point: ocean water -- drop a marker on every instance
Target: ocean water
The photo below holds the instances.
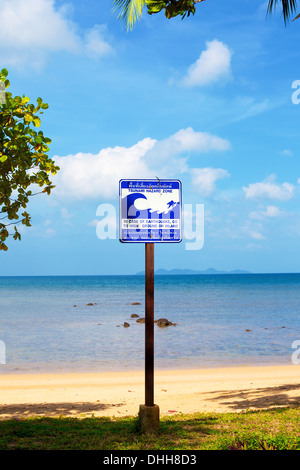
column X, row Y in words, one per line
column 221, row 320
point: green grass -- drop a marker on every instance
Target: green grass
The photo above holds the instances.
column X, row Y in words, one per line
column 277, row 429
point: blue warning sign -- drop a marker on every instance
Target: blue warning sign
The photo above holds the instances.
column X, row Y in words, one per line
column 150, row 211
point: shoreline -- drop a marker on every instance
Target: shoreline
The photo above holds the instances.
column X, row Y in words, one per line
column 139, row 369
column 159, row 365
column 118, row 394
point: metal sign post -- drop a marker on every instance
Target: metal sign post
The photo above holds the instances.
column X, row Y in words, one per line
column 150, row 212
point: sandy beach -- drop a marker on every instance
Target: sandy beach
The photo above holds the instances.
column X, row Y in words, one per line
column 228, row 389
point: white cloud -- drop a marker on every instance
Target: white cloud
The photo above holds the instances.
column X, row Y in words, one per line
column 257, row 236
column 165, row 153
column 95, row 44
column 253, row 230
column 269, row 189
column 31, row 28
column 204, row 179
column 49, row 233
column 249, row 107
column 65, row 214
column 212, row 65
column 86, row 175
column 269, row 212
column 93, row 223
column 253, row 247
column 35, row 22
column 189, row 140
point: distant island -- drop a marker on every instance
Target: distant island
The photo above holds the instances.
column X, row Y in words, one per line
column 191, row 271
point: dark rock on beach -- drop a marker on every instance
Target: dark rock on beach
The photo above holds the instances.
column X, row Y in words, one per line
column 126, row 325
column 135, row 303
column 163, row 322
column 134, row 315
column 141, row 320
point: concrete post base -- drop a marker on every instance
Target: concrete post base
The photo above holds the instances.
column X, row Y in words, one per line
column 149, row 418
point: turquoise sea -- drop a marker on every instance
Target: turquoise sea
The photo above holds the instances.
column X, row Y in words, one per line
column 220, row 320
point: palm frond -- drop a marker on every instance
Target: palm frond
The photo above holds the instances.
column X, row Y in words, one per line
column 130, row 11
column 288, row 7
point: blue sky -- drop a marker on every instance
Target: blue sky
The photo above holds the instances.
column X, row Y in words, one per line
column 207, row 100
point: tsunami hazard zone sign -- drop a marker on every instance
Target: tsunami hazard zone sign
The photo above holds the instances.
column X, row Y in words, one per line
column 150, row 211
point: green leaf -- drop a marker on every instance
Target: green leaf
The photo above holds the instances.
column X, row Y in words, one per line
column 169, row 11
column 25, row 100
column 38, row 139
column 130, row 11
column 288, row 8
column 17, row 235
column 36, row 121
column 155, row 6
column 3, row 74
column 22, row 149
column 20, row 127
column 28, row 118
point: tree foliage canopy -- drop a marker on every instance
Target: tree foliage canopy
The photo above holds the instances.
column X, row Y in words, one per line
column 131, row 11
column 23, row 159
